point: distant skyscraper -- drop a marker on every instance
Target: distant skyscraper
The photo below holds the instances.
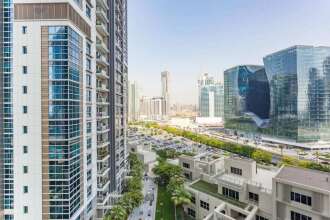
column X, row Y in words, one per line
column 300, row 93
column 165, row 80
column 246, row 97
column 152, row 108
column 210, row 97
column 133, row 101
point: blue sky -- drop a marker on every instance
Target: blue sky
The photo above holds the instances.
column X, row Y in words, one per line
column 190, row 37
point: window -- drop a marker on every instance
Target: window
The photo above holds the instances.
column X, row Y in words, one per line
column 236, row 171
column 89, row 159
column 88, row 80
column 25, row 149
column 88, row 48
column 193, row 200
column 25, row 189
column 89, row 191
column 25, row 169
column 88, row 11
column 25, row 129
column 25, row 209
column 89, row 175
column 24, row 50
column 230, row 193
column 260, row 218
column 89, row 143
column 89, row 127
column 24, row 29
column 186, row 165
column 88, row 64
column 24, row 69
column 191, row 212
column 297, row 197
column 204, row 205
column 253, row 197
column 298, row 216
column 25, row 109
column 24, row 89
column 89, row 111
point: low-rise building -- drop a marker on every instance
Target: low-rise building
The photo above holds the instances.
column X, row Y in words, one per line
column 239, row 188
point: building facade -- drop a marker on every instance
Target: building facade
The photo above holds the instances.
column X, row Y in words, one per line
column 210, row 97
column 63, row 138
column 133, row 101
column 246, row 98
column 229, row 188
column 152, row 108
column 300, row 93
column 165, row 93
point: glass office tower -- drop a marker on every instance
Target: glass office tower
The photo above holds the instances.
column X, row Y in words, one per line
column 246, row 98
column 300, row 93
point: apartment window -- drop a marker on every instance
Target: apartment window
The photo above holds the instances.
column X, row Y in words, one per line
column 193, row 199
column 191, row 212
column 253, row 197
column 89, row 127
column 186, row 165
column 89, row 96
column 25, row 189
column 25, row 209
column 236, row 171
column 25, row 129
column 25, row 169
column 89, row 143
column 298, row 216
column 230, row 193
column 88, row 48
column 89, row 159
column 88, row 80
column 88, row 11
column 260, row 218
column 24, row 69
column 25, row 149
column 24, row 89
column 25, row 109
column 297, row 197
column 89, row 207
column 88, row 64
column 89, row 111
column 89, row 191
column 24, row 29
column 24, row 49
column 204, row 205
column 89, row 175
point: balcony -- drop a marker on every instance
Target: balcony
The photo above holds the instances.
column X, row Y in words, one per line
column 102, row 74
column 103, row 171
column 102, row 184
column 103, row 198
column 102, row 60
column 102, row 101
column 102, row 28
column 101, row 144
column 102, row 154
column 103, row 4
column 101, row 46
column 101, row 14
column 102, row 88
column 101, row 116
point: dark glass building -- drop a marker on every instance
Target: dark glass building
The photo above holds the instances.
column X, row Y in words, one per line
column 246, row 98
column 299, row 80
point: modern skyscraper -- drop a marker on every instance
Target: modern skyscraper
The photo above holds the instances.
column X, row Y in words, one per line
column 165, row 79
column 210, row 101
column 152, row 108
column 63, row 112
column 246, row 97
column 133, row 101
column 300, row 93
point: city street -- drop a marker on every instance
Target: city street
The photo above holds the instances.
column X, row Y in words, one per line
column 147, row 210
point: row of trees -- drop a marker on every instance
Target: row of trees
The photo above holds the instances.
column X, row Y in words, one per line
column 132, row 196
column 170, row 175
column 261, row 156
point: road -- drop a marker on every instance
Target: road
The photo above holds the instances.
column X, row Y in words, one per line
column 146, row 211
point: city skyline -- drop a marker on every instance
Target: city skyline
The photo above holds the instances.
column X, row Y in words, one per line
column 189, row 44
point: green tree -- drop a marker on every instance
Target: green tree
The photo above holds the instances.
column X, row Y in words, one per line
column 180, row 197
column 262, row 156
column 165, row 171
column 117, row 212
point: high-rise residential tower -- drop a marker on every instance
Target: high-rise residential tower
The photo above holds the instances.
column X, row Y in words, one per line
column 62, row 107
column 299, row 79
column 165, row 79
column 133, row 101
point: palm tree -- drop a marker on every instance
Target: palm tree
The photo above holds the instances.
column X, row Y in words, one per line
column 180, row 197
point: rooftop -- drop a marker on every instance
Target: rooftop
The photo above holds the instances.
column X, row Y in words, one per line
column 307, row 177
column 212, row 190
